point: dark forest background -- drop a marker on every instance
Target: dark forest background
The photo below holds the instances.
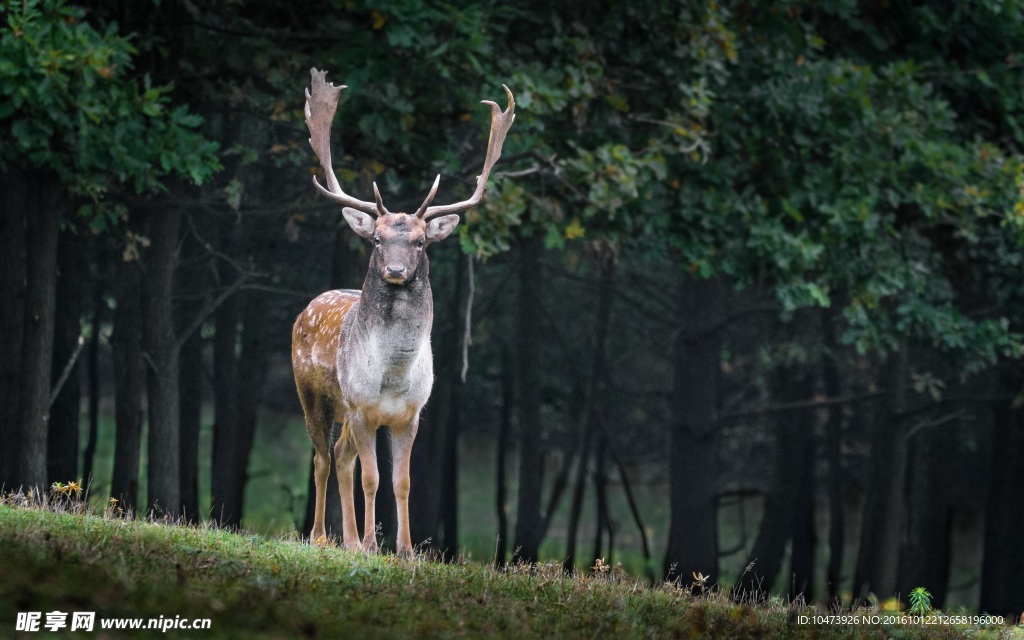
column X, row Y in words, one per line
column 737, row 256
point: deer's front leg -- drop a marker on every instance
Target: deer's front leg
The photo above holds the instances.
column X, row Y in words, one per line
column 401, row 452
column 345, row 462
column 365, row 438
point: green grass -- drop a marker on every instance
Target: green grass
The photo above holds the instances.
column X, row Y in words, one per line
column 275, row 502
column 257, row 587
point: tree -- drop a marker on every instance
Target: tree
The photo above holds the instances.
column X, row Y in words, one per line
column 78, row 127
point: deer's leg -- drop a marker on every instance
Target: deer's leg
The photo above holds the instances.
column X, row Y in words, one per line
column 321, row 471
column 317, row 416
column 345, row 462
column 401, row 452
column 365, row 438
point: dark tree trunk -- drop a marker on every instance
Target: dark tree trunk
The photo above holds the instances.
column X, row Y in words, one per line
column 788, row 511
column 190, row 380
column 42, row 227
column 588, row 421
column 604, row 522
column 449, row 507
column 129, row 375
column 226, row 508
column 62, row 441
column 693, row 452
column 504, row 428
column 164, row 477
column 12, row 316
column 1002, row 590
column 836, row 477
column 884, row 505
column 252, row 372
column 92, row 364
column 528, row 508
column 925, row 554
column 576, row 506
column 801, row 578
column 192, row 288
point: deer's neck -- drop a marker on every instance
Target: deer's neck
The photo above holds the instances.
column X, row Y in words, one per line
column 396, row 319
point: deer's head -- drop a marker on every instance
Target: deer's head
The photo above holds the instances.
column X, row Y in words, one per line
column 399, row 239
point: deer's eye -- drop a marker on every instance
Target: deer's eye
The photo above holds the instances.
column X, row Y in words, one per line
column 376, row 240
column 421, row 243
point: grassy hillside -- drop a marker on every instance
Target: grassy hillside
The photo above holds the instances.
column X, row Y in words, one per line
column 251, row 586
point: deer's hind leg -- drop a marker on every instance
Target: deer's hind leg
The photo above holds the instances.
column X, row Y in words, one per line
column 318, row 412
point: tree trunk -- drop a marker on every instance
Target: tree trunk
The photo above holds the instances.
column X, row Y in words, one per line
column 504, row 428
column 801, row 578
column 589, row 418
column 225, row 500
column 42, row 227
column 1002, row 591
column 836, row 477
column 62, row 440
column 190, row 380
column 788, row 510
column 884, row 506
column 192, row 290
column 164, row 477
column 528, row 508
column 92, row 360
column 604, row 522
column 693, row 452
column 129, row 374
column 925, row 553
column 12, row 316
column 252, row 372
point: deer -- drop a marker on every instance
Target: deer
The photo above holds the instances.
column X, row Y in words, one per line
column 362, row 358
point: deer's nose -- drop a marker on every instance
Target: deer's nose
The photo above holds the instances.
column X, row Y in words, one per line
column 396, row 270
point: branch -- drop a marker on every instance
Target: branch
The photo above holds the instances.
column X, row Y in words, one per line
column 801, row 404
column 210, row 308
column 67, row 372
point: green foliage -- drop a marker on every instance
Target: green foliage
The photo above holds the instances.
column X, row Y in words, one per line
column 920, row 601
column 71, row 105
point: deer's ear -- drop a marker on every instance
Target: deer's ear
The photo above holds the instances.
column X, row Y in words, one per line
column 360, row 222
column 439, row 228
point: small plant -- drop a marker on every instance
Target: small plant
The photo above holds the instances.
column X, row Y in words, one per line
column 920, row 601
column 699, row 583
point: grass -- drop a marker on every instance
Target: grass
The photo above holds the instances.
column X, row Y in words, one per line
column 275, row 502
column 68, row 559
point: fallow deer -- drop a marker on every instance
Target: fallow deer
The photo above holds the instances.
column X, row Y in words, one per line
column 362, row 358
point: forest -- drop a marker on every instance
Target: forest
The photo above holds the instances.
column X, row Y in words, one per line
column 743, row 304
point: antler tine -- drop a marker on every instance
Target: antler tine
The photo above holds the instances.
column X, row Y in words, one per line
column 430, row 197
column 380, row 203
column 321, row 104
column 501, row 121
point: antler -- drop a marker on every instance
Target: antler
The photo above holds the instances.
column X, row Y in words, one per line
column 501, row 121
column 321, row 103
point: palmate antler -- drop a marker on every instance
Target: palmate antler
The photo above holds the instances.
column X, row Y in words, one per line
column 321, row 104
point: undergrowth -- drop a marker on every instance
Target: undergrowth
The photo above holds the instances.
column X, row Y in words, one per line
column 59, row 556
